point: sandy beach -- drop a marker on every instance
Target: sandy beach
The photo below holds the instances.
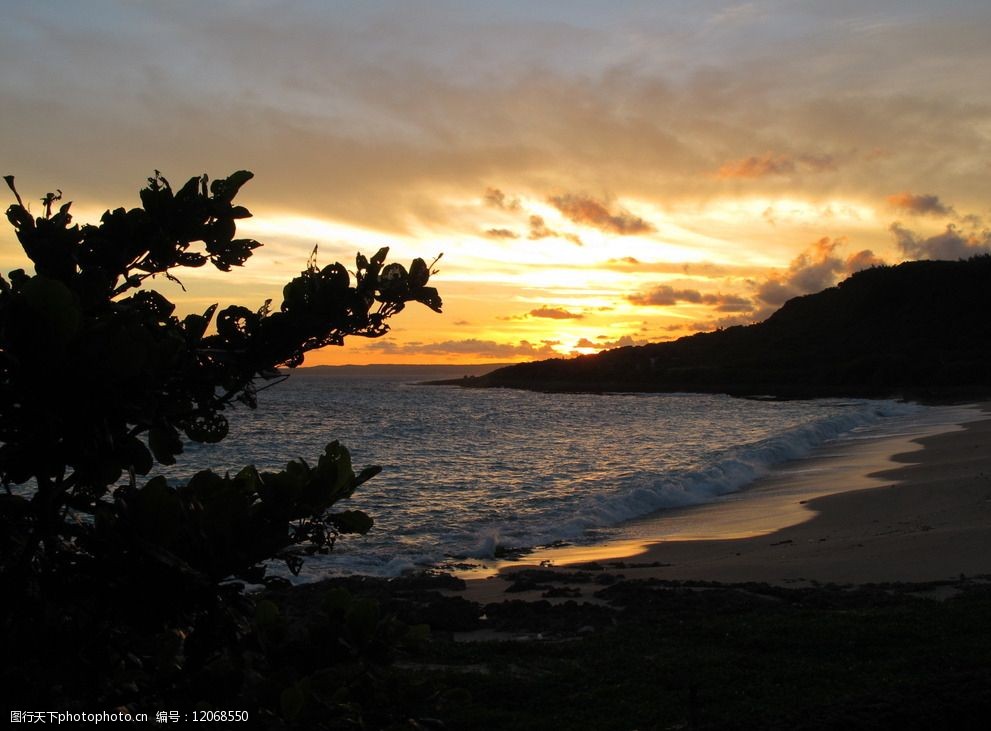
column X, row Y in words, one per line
column 891, row 509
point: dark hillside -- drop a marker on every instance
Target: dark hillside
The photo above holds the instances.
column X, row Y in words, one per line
column 921, row 328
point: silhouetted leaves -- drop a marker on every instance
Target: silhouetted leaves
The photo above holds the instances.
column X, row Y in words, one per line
column 115, row 585
column 101, row 380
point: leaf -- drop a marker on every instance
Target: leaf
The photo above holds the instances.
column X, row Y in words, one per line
column 9, row 180
column 430, row 297
column 194, row 326
column 394, row 283
column 366, row 474
column 53, row 314
column 134, row 454
column 380, row 256
column 352, row 521
column 225, row 190
column 164, row 443
column 419, row 274
column 190, row 189
column 208, row 428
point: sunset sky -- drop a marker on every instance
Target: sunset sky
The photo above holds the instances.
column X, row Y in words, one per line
column 594, row 173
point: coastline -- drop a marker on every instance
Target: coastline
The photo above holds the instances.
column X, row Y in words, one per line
column 895, row 508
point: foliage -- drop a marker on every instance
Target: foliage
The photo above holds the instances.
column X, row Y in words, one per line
column 100, row 380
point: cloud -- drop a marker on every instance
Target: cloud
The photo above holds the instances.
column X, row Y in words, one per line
column 951, row 244
column 862, row 260
column 377, row 115
column 621, row 342
column 501, row 233
column 606, row 343
column 728, row 302
column 721, row 323
column 555, row 313
column 497, row 199
column 590, row 212
column 469, row 347
column 921, row 205
column 665, row 295
column 771, row 164
column 539, row 230
column 689, row 268
column 811, row 271
column 815, row 269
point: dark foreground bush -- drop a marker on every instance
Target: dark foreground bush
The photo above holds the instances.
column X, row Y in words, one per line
column 116, row 583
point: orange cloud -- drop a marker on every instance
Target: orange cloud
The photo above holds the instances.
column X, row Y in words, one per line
column 501, row 233
column 539, row 230
column 497, row 199
column 555, row 313
column 590, row 212
column 924, row 204
column 770, row 164
column 815, row 269
column 757, row 167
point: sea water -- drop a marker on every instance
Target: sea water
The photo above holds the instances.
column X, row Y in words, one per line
column 469, row 473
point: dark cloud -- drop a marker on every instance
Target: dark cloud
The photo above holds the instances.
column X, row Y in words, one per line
column 728, row 302
column 665, row 295
column 497, row 199
column 926, row 204
column 951, row 244
column 555, row 313
column 501, row 233
column 539, row 230
column 590, row 212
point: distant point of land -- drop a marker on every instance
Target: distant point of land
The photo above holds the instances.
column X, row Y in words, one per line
column 918, row 330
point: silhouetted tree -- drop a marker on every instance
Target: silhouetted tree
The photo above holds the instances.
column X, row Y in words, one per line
column 99, row 380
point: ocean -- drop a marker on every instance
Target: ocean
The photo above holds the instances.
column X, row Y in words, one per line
column 470, row 473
